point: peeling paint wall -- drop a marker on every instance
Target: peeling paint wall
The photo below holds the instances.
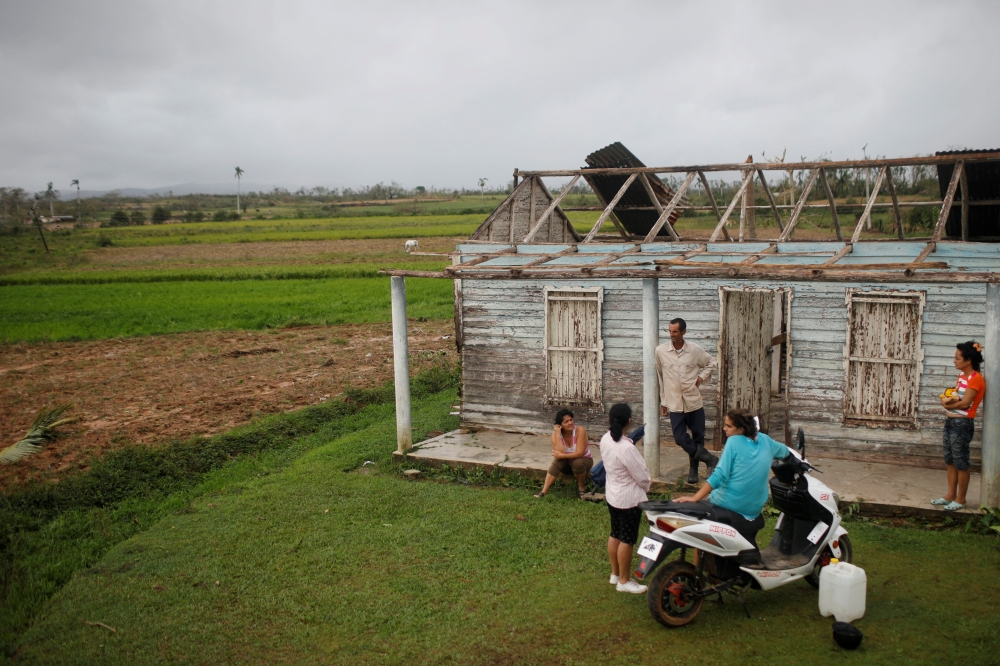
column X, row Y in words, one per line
column 504, row 378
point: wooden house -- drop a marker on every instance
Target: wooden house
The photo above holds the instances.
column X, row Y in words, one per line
column 851, row 339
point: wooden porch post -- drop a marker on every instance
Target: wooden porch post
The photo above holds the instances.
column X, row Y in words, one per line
column 401, row 364
column 650, row 382
column 989, row 488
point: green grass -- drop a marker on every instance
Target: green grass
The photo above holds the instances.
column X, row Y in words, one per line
column 318, row 563
column 50, row 531
column 87, row 311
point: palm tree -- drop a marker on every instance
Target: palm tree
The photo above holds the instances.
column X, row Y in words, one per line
column 76, row 181
column 482, row 188
column 239, row 174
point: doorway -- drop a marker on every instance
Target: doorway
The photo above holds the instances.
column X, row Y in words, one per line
column 753, row 329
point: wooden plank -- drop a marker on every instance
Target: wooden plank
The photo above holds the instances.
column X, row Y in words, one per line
column 756, row 257
column 965, row 206
column 747, row 175
column 607, row 211
column 798, row 206
column 665, row 215
column 949, row 199
column 844, row 251
column 770, row 200
column 833, row 204
column 531, row 204
column 548, row 211
column 895, row 203
column 931, row 160
column 658, row 205
column 865, row 216
column 711, row 199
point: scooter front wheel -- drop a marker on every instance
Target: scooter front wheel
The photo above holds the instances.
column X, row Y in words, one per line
column 671, row 596
column 846, row 555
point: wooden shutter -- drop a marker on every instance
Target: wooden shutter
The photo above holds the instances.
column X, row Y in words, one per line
column 747, row 328
column 574, row 349
column 883, row 358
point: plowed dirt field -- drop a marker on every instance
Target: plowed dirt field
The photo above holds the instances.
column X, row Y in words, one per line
column 157, row 389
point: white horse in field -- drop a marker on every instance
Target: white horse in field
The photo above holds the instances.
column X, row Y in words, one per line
column 411, row 246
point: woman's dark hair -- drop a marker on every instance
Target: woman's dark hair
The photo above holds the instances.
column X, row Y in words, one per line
column 618, row 417
column 971, row 352
column 561, row 414
column 741, row 418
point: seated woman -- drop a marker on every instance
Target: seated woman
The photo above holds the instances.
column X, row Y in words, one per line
column 739, row 482
column 570, row 452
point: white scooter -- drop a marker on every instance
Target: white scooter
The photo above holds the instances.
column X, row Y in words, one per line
column 808, row 533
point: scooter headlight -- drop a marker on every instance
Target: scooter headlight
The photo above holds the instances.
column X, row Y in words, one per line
column 669, row 524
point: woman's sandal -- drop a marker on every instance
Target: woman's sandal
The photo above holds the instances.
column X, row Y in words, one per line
column 940, row 501
column 540, row 495
column 953, row 506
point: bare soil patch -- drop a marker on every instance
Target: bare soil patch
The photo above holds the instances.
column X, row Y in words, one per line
column 165, row 388
column 259, row 253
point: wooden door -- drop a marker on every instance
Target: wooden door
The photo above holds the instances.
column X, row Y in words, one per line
column 745, row 344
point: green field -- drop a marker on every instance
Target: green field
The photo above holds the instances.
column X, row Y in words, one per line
column 83, row 312
column 300, row 558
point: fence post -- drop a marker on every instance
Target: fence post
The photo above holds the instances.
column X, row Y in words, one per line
column 650, row 382
column 989, row 488
column 401, row 365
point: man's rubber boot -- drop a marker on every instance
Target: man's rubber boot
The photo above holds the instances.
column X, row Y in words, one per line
column 693, row 471
column 702, row 455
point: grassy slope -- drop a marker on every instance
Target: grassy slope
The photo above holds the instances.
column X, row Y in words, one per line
column 68, row 312
column 400, row 572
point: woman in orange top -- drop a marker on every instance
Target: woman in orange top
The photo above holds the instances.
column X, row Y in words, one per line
column 959, row 426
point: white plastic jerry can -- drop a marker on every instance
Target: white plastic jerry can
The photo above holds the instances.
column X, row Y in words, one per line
column 842, row 590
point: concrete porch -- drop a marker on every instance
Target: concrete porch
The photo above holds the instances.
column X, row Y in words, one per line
column 882, row 489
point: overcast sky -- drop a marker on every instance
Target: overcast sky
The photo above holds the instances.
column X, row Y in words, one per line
column 143, row 94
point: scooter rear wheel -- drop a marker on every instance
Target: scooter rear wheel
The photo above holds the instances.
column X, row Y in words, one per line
column 846, row 555
column 669, row 595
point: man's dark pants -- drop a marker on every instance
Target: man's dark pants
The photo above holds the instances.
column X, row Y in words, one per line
column 681, row 421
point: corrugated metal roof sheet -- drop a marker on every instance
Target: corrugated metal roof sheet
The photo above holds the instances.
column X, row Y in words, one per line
column 637, row 222
column 984, row 185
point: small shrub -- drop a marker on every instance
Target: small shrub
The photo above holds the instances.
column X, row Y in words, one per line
column 138, row 217
column 104, row 241
column 194, row 216
column 118, row 219
column 160, row 215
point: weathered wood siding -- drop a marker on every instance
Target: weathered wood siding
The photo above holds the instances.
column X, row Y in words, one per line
column 528, row 203
column 504, row 378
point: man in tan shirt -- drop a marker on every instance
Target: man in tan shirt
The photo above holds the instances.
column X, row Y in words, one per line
column 682, row 368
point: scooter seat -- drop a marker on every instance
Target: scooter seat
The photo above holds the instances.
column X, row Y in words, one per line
column 693, row 509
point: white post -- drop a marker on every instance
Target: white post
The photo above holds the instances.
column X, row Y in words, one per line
column 401, row 364
column 989, row 487
column 650, row 382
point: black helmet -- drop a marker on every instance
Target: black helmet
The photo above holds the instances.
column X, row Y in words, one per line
column 847, row 635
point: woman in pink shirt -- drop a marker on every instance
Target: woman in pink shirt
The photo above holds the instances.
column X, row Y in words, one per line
column 626, row 486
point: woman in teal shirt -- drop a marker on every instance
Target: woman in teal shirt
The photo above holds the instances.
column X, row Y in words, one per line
column 739, row 482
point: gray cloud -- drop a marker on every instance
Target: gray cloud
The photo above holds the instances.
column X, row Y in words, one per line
column 123, row 94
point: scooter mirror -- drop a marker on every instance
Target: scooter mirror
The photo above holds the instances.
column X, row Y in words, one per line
column 801, row 442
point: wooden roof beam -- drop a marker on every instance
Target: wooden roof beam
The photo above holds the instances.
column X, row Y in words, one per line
column 747, row 175
column 949, row 199
column 658, row 205
column 833, row 204
column 549, row 210
column 866, row 216
column 895, row 204
column 770, row 200
column 794, row 219
column 773, row 249
column 711, row 200
column 665, row 214
column 611, row 206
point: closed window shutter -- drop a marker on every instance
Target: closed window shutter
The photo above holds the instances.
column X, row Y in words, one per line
column 883, row 357
column 574, row 348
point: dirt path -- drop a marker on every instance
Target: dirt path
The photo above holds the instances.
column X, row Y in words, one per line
column 172, row 387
